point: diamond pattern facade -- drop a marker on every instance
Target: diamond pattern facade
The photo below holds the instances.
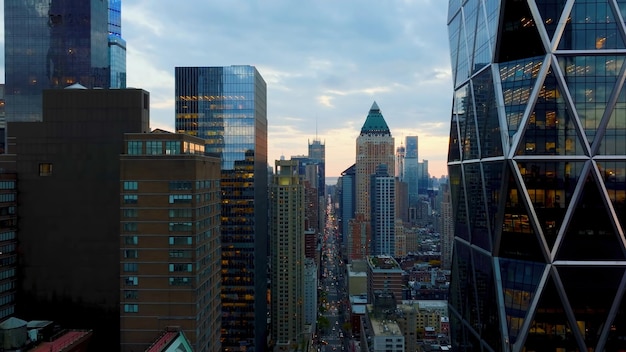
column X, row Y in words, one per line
column 537, row 165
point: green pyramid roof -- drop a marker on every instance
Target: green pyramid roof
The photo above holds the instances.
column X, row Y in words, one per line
column 375, row 122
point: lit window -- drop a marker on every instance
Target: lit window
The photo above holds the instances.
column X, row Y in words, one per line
column 130, row 267
column 172, row 147
column 154, row 147
column 130, row 185
column 131, row 308
column 135, row 147
column 45, row 169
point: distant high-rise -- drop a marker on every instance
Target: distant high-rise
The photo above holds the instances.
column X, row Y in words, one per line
column 537, row 165
column 52, row 44
column 287, row 260
column 383, row 203
column 400, row 154
column 347, row 201
column 227, row 107
column 423, row 179
column 170, row 264
column 374, row 146
column 410, row 168
column 317, row 155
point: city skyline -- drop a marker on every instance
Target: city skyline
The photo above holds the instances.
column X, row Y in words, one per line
column 324, row 66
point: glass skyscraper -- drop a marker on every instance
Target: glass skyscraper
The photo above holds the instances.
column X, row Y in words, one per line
column 537, row 164
column 52, row 44
column 227, row 107
column 117, row 46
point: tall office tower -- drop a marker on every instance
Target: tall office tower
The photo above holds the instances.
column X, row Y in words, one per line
column 69, row 211
column 423, row 179
column 400, row 154
column 347, row 201
column 410, row 168
column 446, row 227
column 383, row 216
column 312, row 167
column 537, row 165
column 374, row 146
column 170, row 247
column 317, row 155
column 287, row 262
column 117, row 46
column 52, row 44
column 226, row 106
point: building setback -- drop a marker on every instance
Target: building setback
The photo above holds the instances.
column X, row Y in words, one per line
column 68, row 187
column 169, row 240
column 537, row 164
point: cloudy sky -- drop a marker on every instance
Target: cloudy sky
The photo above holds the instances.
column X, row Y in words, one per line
column 325, row 62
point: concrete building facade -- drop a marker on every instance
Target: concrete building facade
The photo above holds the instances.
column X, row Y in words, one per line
column 287, row 260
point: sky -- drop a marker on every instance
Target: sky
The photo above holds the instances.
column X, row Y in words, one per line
column 325, row 62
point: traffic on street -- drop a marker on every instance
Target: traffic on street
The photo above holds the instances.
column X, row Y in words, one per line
column 333, row 329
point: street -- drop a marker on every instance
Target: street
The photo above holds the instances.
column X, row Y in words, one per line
column 333, row 330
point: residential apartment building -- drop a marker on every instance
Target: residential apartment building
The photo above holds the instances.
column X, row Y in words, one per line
column 287, row 259
column 170, row 263
column 383, row 208
column 384, row 274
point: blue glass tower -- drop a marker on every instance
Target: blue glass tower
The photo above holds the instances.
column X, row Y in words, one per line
column 537, row 165
column 52, row 44
column 226, row 106
column 117, row 46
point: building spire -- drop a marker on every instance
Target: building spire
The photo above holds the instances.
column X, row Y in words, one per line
column 375, row 122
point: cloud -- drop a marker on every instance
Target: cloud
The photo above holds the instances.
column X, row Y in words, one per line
column 324, row 63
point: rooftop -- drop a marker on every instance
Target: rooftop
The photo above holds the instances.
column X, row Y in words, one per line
column 63, row 341
column 171, row 336
column 375, row 122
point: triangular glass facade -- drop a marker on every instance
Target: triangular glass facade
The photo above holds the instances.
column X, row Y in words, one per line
column 537, row 164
